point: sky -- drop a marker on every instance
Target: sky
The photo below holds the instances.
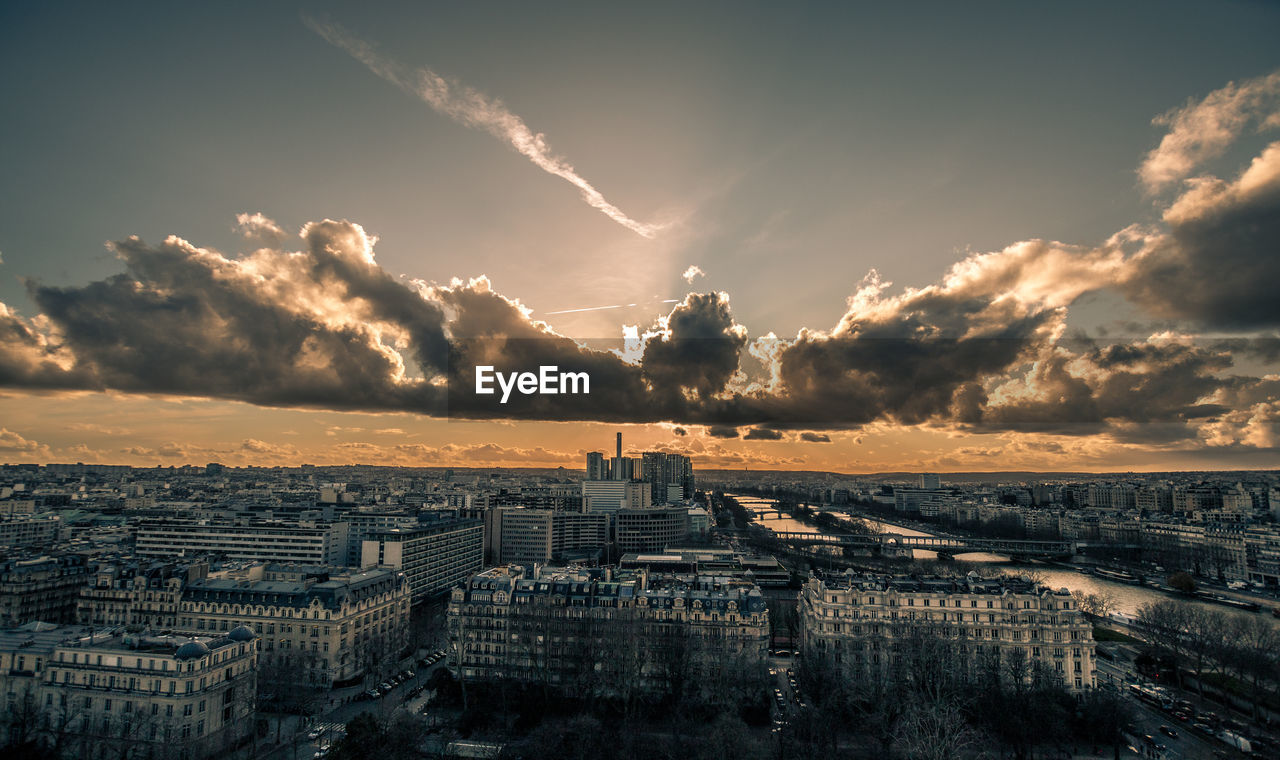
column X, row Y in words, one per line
column 905, row 237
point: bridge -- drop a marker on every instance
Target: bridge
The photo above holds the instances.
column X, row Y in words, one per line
column 943, row 545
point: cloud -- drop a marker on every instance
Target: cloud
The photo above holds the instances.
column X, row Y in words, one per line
column 1217, row 264
column 696, row 348
column 326, row 327
column 14, row 444
column 260, row 228
column 694, row 271
column 1201, row 131
column 984, row 349
column 476, row 110
column 306, row 328
column 905, row 357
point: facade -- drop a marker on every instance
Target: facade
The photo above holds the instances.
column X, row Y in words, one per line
column 328, row 628
column 597, row 468
column 525, row 536
column 361, row 525
column 44, row 589
column 138, row 595
column 914, row 499
column 577, row 629
column 859, row 625
column 669, row 475
column 433, row 557
column 107, row 693
column 650, row 530
column 613, row 495
column 304, row 542
column 30, row 531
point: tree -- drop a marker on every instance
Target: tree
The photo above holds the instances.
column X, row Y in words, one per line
column 1097, row 606
column 934, row 731
column 1183, row 582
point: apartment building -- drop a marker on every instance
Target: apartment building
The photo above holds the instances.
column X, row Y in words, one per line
column 334, row 626
column 305, row 541
column 138, row 594
column 526, row 536
column 41, row 588
column 434, row 557
column 650, row 530
column 106, row 693
column 30, row 531
column 566, row 627
column 858, row 624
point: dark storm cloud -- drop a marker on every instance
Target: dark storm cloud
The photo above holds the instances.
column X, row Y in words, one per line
column 1219, row 263
column 342, row 254
column 698, row 351
column 722, row 431
column 183, row 321
column 1113, row 388
column 28, row 359
column 327, row 327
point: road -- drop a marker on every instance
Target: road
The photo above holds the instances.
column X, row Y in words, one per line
column 1190, row 744
column 332, row 724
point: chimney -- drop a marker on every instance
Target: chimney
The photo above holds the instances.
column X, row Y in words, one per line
column 619, row 445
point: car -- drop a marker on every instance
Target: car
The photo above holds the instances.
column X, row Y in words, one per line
column 1169, row 732
column 385, row 686
column 409, row 674
column 315, row 733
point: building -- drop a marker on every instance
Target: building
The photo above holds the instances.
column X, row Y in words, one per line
column 912, row 499
column 328, row 626
column 40, row 532
column 139, row 594
column 361, row 525
column 859, row 625
column 310, row 542
column 930, row 481
column 614, row 495
column 434, row 557
column 526, row 536
column 99, row 694
column 650, row 530
column 595, row 633
column 597, row 468
column 670, row 476
column 764, row 571
column 43, row 588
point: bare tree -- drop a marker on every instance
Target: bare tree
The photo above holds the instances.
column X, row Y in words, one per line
column 934, row 731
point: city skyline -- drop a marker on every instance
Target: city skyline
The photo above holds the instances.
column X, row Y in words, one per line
column 887, row 245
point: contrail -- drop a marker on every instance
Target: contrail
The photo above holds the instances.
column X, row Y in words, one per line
column 475, row 109
column 602, row 308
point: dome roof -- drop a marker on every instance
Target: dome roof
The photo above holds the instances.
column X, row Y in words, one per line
column 191, row 650
column 242, row 633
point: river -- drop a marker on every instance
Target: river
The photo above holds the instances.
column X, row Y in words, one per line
column 1127, row 599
